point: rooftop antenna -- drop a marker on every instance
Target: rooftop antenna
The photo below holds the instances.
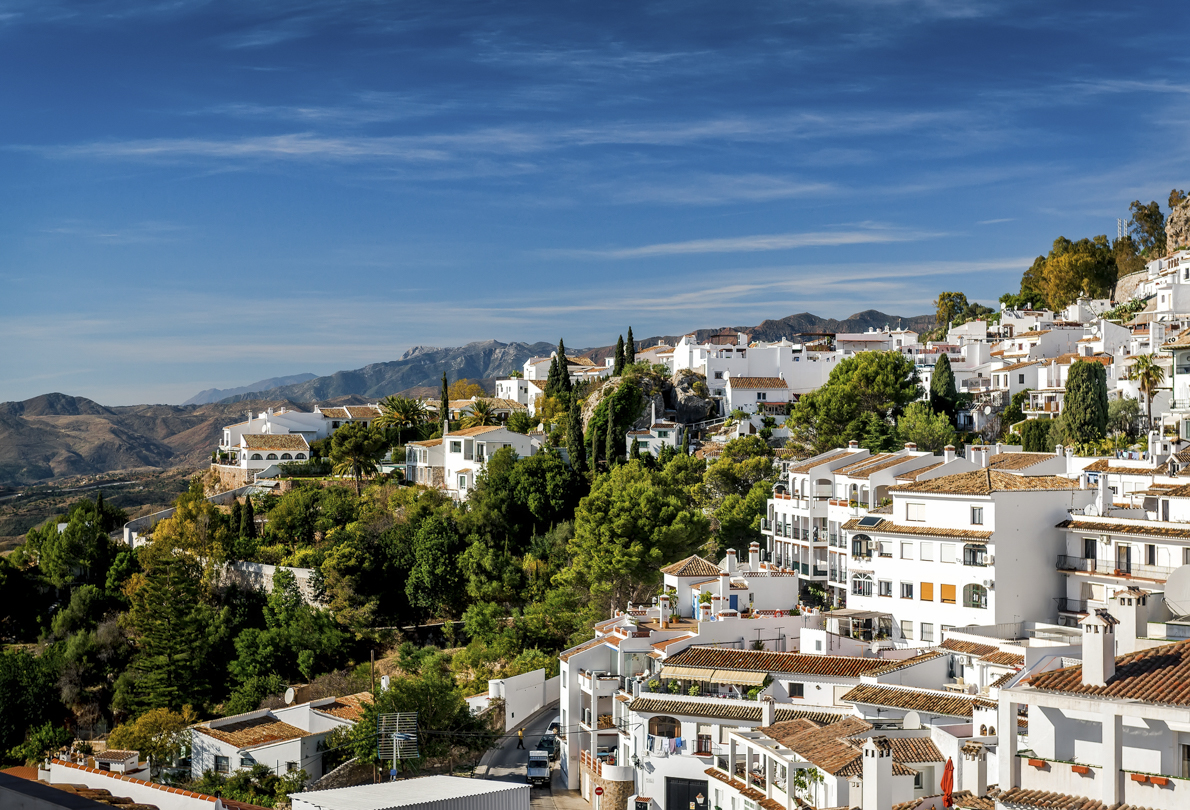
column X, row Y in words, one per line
column 1119, row 227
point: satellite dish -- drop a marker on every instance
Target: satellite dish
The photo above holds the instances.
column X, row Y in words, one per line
column 289, row 695
column 987, row 410
column 1177, row 591
column 1091, row 510
column 911, row 720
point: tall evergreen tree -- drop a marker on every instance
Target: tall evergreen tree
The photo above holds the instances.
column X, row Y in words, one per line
column 563, row 368
column 1084, row 410
column 630, row 349
column 635, row 451
column 169, row 624
column 611, row 451
column 574, row 438
column 686, row 442
column 100, row 518
column 248, row 519
column 943, row 394
column 444, row 406
column 618, row 368
column 236, row 517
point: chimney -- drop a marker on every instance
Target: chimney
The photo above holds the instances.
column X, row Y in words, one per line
column 653, row 412
column 754, row 556
column 1103, row 500
column 704, row 611
column 717, row 603
column 948, row 453
column 1099, row 648
column 663, row 604
column 911, row 447
column 725, row 587
column 853, row 445
column 975, row 768
column 1058, row 449
column 768, row 710
column 877, row 786
column 1132, row 609
column 731, row 561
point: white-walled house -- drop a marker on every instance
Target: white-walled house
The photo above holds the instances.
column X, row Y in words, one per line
column 284, row 740
column 931, row 562
column 756, row 395
column 259, row 451
column 658, row 434
column 455, row 461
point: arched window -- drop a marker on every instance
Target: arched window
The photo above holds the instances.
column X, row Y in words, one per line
column 271, row 457
column 664, row 727
column 983, row 729
column 992, row 731
column 862, row 546
column 286, row 457
column 256, row 457
column 975, row 596
column 300, row 456
column 861, row 585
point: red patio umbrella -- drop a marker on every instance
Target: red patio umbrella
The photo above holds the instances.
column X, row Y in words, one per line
column 948, row 783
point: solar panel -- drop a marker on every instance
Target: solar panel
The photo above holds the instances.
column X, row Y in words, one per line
column 870, row 521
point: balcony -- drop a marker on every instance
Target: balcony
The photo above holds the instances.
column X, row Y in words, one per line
column 766, row 525
column 1066, row 605
column 1124, row 569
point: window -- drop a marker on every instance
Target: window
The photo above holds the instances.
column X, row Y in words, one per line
column 222, row 764
column 947, row 594
column 976, row 515
column 286, row 456
column 718, row 375
column 927, row 632
column 885, row 548
column 915, row 511
column 907, row 629
column 906, row 551
column 1090, row 548
column 1150, row 554
column 1020, row 378
column 926, row 551
column 663, row 434
column 797, row 690
column 861, row 585
column 664, row 727
column 456, row 447
column 946, row 555
column 761, row 396
column 918, row 781
column 290, row 767
column 818, row 645
column 927, row 591
column 300, row 456
column 246, row 761
column 974, row 596
column 1185, row 761
column 271, row 457
column 704, row 738
column 861, row 546
column 885, row 587
column 1186, row 556
column 975, row 554
column 906, row 590
column 257, row 457
column 462, row 482
column 563, row 679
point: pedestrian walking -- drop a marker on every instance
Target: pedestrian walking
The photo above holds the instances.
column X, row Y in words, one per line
column 520, row 738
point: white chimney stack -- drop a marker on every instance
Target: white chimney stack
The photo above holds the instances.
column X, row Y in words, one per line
column 724, row 586
column 754, row 556
column 948, row 453
column 768, row 711
column 911, row 447
column 975, row 768
column 1132, row 610
column 853, row 445
column 1104, row 501
column 704, row 611
column 1099, row 648
column 877, row 786
column 731, row 561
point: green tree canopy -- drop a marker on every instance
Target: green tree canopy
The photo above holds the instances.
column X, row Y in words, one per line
column 1084, row 409
column 929, row 430
column 944, row 396
column 355, row 449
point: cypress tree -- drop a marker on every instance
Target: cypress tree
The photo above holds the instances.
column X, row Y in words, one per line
column 635, row 451
column 611, row 451
column 551, row 380
column 248, row 519
column 574, row 439
column 630, row 349
column 236, row 518
column 618, row 368
column 444, row 412
column 1084, row 410
column 943, row 394
column 686, row 442
column 563, row 368
column 594, row 448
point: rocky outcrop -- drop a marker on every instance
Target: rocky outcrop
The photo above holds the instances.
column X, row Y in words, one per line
column 682, row 398
column 1177, row 228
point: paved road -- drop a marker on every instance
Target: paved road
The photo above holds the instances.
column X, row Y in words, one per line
column 505, row 761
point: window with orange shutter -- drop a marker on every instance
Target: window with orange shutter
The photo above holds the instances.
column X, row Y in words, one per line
column 948, row 594
column 927, row 591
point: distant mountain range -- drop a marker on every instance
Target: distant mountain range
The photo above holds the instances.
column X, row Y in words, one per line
column 215, row 394
column 56, row 435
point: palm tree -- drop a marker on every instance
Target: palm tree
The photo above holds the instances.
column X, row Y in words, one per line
column 401, row 413
column 483, row 413
column 1148, row 376
column 354, row 450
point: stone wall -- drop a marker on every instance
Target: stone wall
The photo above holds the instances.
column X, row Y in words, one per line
column 223, row 477
column 615, row 793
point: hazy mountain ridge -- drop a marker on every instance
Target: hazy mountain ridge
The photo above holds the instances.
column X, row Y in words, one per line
column 215, row 394
column 56, row 435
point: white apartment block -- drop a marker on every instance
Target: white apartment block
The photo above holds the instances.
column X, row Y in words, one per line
column 454, row 462
column 659, row 433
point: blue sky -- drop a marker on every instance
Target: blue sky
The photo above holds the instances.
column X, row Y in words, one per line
column 200, row 194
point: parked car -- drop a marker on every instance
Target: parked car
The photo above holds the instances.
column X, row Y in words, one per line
column 537, row 771
column 555, row 725
column 549, row 744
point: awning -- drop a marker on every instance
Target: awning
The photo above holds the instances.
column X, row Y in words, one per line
column 737, row 677
column 687, row 673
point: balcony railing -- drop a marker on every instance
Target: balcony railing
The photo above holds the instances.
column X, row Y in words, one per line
column 818, row 572
column 766, row 525
column 1066, row 605
column 1114, row 568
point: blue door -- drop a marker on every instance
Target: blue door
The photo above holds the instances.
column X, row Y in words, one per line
column 734, row 602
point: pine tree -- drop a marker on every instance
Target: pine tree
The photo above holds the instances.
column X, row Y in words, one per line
column 630, row 349
column 236, row 518
column 444, row 407
column 169, row 625
column 248, row 519
column 618, row 368
column 574, row 439
column 1084, row 410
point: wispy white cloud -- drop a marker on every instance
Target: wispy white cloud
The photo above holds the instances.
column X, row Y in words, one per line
column 752, row 244
column 995, row 221
column 704, row 189
column 134, row 234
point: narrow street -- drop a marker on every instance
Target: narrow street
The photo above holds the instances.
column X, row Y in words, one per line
column 507, row 763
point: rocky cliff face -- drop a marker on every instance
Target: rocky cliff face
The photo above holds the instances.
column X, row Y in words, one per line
column 675, row 397
column 1177, row 228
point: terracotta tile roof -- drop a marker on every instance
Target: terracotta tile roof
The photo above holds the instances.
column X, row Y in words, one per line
column 114, row 755
column 661, row 645
column 1032, row 333
column 334, row 413
column 1002, row 680
column 473, row 431
column 1046, row 800
column 913, row 475
column 269, row 441
column 1104, row 465
column 1018, row 461
column 1005, row 659
column 915, row 749
column 1156, row 675
column 1016, row 366
column 692, row 566
column 747, row 383
column 839, row 666
column 888, row 527
column 348, row 707
column 963, row 799
column 22, row 772
column 867, row 461
column 1179, row 341
column 987, row 481
column 363, row 411
column 745, row 711
column 809, row 464
column 918, row 700
column 1123, row 528
column 427, row 443
column 893, row 666
column 868, row 472
column 744, row 790
column 968, row 647
column 252, row 733
column 165, row 789
column 830, row 748
column 586, row 645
